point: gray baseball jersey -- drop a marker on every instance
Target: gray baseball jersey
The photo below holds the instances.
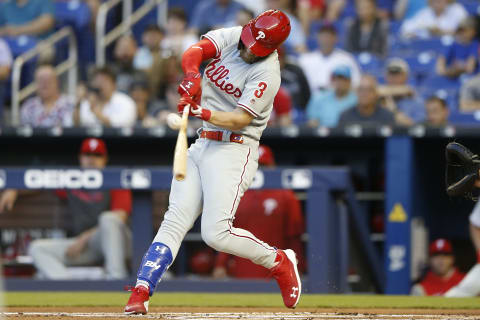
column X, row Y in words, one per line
column 228, row 82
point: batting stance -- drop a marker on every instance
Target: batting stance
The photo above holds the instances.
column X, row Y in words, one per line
column 239, row 85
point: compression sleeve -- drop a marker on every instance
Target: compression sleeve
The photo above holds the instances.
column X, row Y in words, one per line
column 194, row 56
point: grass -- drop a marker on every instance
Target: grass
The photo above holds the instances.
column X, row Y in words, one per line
column 55, row 299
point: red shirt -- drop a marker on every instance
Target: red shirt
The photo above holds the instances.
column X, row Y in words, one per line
column 434, row 285
column 273, row 216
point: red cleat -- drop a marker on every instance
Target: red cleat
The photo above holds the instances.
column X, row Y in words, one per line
column 286, row 274
column 138, row 302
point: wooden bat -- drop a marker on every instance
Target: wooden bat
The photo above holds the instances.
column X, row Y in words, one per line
column 180, row 157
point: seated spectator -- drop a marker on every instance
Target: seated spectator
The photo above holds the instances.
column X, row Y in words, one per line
column 6, row 61
column 310, row 10
column 470, row 95
column 367, row 33
column 296, row 41
column 442, row 274
column 152, row 37
column 294, row 81
column 437, row 112
column 406, row 9
column 124, row 53
column 177, row 39
column 461, row 56
column 282, row 110
column 325, row 108
column 104, row 105
column 398, row 96
column 147, row 106
column 26, row 17
column 213, row 14
column 319, row 64
column 440, row 18
column 335, row 9
column 49, row 108
column 368, row 110
column 279, row 210
column 99, row 221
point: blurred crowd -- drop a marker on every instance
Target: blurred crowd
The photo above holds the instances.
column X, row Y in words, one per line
column 394, row 62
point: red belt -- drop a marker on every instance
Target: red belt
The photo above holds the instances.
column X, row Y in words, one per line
column 218, row 136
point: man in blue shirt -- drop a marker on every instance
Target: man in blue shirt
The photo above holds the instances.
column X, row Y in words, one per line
column 324, row 108
column 26, row 17
column 213, row 14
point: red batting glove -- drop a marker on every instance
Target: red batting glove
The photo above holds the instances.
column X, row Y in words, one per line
column 191, row 85
column 196, row 110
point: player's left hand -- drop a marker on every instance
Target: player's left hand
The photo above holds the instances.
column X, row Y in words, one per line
column 191, row 85
column 196, row 110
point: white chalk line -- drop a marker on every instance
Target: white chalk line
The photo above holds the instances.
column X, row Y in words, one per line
column 242, row 315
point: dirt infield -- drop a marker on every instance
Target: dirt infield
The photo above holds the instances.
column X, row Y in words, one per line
column 210, row 313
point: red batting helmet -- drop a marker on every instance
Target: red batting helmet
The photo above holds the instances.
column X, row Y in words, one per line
column 266, row 32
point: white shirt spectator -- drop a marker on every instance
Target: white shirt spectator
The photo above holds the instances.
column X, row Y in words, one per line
column 5, row 54
column 318, row 67
column 120, row 110
column 178, row 45
column 448, row 21
column 33, row 113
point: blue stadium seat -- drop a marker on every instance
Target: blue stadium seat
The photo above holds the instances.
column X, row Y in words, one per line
column 457, row 117
column 473, row 7
column 421, row 64
column 370, row 63
column 72, row 13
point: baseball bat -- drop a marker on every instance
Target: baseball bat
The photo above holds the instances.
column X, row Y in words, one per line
column 180, row 157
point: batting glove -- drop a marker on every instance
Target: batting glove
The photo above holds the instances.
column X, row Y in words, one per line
column 191, row 85
column 196, row 110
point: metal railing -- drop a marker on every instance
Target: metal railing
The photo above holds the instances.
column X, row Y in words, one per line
column 103, row 39
column 69, row 65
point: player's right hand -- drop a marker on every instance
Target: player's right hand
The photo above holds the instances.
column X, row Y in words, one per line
column 7, row 200
column 191, row 85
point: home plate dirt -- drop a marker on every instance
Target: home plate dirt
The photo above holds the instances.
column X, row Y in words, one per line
column 370, row 314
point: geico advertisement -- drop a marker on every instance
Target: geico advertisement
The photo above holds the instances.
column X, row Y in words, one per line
column 68, row 179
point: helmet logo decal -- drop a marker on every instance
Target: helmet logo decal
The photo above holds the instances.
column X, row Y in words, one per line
column 261, row 35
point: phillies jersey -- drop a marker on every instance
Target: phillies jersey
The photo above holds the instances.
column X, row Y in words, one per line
column 434, row 285
column 275, row 217
column 229, row 82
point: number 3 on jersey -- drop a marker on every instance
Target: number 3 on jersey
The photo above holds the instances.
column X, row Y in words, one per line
column 262, row 86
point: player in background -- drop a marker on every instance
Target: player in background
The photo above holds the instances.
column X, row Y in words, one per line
column 236, row 94
column 470, row 285
column 273, row 215
column 442, row 274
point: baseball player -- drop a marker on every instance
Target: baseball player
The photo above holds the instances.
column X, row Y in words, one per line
column 239, row 85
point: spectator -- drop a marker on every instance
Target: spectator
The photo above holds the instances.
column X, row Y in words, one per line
column 49, row 108
column 99, row 221
column 324, row 108
column 213, row 14
column 310, row 10
column 367, row 33
column 470, row 95
column 398, row 96
column 104, row 105
column 442, row 274
column 26, row 17
column 124, row 53
column 440, row 18
column 280, row 210
column 294, row 81
column 406, row 9
column 318, row 65
column 147, row 106
column 296, row 42
column 367, row 111
column 282, row 110
column 461, row 56
column 152, row 37
column 177, row 39
column 335, row 9
column 437, row 112
column 5, row 67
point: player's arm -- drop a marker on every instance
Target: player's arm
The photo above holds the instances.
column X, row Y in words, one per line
column 9, row 197
column 233, row 121
column 191, row 60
